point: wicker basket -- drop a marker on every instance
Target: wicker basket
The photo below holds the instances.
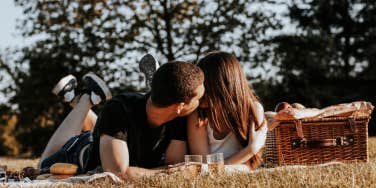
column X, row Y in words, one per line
column 315, row 141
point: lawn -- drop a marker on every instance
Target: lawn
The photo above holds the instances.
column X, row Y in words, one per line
column 337, row 175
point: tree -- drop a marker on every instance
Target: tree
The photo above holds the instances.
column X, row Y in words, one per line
column 331, row 57
column 108, row 37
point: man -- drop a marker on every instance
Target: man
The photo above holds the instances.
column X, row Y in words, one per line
column 148, row 131
column 133, row 130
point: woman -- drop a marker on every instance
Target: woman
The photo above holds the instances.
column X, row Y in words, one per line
column 229, row 114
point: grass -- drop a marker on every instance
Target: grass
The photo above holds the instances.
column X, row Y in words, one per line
column 336, row 175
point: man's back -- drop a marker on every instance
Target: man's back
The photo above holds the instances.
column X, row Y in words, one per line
column 124, row 117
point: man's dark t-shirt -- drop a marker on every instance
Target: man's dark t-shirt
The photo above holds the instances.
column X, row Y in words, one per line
column 124, row 117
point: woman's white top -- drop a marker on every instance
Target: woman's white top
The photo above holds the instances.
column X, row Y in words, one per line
column 228, row 145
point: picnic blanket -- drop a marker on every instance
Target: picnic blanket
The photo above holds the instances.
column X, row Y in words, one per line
column 89, row 178
column 63, row 182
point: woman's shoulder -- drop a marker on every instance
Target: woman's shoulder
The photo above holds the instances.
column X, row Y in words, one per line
column 259, row 110
column 258, row 105
column 195, row 119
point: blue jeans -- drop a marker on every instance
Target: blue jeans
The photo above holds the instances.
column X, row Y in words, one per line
column 75, row 151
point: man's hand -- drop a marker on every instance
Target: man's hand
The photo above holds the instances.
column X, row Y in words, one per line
column 175, row 168
column 188, row 170
column 257, row 138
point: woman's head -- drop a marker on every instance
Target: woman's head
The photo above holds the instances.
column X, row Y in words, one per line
column 228, row 96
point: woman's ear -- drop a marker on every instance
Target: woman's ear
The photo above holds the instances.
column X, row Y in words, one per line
column 204, row 104
column 180, row 107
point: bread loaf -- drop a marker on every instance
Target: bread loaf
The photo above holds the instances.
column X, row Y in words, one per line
column 63, row 169
column 298, row 106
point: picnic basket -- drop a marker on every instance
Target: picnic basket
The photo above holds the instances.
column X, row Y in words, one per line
column 317, row 140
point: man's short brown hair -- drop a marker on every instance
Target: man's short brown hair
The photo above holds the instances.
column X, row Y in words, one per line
column 175, row 82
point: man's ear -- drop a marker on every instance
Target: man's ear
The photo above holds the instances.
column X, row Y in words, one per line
column 180, row 107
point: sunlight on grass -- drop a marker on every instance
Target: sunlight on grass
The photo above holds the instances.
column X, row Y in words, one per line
column 336, row 175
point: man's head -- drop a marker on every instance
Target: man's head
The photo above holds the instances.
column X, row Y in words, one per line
column 178, row 83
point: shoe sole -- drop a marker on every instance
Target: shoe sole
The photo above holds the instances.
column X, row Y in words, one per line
column 61, row 84
column 101, row 84
column 148, row 61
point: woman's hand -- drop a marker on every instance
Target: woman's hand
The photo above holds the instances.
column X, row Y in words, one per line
column 257, row 138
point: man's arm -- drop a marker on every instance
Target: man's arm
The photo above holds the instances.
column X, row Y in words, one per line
column 175, row 152
column 114, row 156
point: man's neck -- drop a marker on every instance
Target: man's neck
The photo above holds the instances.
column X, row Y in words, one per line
column 157, row 116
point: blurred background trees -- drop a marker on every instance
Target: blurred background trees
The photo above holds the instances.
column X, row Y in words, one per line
column 327, row 58
column 331, row 57
column 108, row 38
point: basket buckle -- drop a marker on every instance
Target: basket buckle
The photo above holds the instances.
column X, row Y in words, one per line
column 352, row 124
column 299, row 128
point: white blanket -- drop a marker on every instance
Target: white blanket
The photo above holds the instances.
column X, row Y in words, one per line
column 87, row 179
column 64, row 182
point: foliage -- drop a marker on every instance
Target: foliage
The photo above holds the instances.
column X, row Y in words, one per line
column 108, row 37
column 330, row 58
column 8, row 143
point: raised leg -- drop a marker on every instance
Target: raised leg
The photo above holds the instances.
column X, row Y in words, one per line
column 93, row 91
column 71, row 126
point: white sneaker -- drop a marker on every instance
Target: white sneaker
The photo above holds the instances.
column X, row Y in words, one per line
column 148, row 65
column 66, row 88
column 96, row 88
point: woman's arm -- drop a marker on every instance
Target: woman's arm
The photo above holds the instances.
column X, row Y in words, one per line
column 256, row 140
column 197, row 135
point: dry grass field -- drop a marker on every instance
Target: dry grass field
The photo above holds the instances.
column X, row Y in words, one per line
column 337, row 175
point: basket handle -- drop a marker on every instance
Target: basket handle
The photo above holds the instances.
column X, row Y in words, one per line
column 339, row 141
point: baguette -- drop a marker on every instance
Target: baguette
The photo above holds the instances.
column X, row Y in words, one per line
column 293, row 113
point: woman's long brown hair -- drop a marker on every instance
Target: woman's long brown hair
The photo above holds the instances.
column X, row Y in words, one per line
column 230, row 98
